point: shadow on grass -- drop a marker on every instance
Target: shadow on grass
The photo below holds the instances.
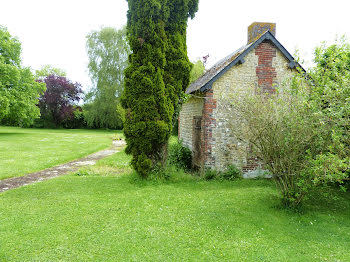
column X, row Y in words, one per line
column 333, row 200
column 12, row 134
column 180, row 178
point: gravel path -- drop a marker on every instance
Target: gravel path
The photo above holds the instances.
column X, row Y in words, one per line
column 59, row 170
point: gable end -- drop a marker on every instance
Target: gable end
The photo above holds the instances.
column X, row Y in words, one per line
column 240, row 59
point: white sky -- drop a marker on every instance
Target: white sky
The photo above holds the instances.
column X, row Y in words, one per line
column 53, row 31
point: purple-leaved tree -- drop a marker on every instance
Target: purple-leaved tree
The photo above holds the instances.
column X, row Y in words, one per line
column 58, row 103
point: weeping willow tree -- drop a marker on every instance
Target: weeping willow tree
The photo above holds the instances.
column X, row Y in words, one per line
column 108, row 52
column 158, row 73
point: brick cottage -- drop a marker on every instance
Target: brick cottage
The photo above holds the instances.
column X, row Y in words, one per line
column 262, row 63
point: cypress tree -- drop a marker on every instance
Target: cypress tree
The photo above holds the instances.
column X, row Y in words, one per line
column 158, row 71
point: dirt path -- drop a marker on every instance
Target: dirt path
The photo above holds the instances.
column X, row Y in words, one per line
column 59, row 170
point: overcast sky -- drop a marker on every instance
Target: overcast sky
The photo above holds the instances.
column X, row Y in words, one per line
column 53, row 31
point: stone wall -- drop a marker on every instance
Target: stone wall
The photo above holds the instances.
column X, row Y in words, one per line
column 192, row 107
column 284, row 73
column 240, row 78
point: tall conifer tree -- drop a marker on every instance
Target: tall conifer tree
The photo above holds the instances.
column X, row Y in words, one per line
column 157, row 74
column 178, row 67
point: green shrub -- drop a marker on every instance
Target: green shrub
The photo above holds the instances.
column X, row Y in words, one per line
column 347, row 181
column 180, row 156
column 83, row 172
column 210, row 174
column 231, row 173
column 159, row 174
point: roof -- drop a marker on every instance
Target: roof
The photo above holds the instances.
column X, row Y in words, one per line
column 206, row 81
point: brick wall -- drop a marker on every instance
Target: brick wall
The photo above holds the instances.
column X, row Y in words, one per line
column 265, row 71
column 208, row 125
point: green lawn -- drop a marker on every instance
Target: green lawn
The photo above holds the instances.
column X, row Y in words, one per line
column 104, row 213
column 24, row 151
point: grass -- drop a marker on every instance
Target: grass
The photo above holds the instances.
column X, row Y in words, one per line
column 105, row 213
column 28, row 150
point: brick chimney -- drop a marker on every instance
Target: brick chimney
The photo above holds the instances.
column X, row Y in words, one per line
column 256, row 29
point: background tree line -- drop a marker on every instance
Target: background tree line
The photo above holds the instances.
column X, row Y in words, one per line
column 47, row 98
